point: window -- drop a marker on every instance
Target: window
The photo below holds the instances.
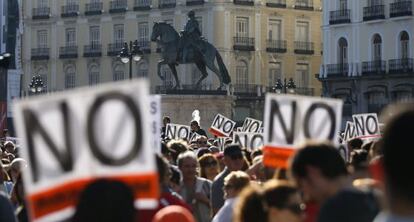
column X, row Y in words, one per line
column 70, row 37
column 377, row 48
column 70, row 77
column 143, row 31
column 42, row 39
column 376, row 101
column 43, row 3
column 374, row 2
column 343, row 4
column 302, row 31
column 242, row 27
column 71, row 2
column 118, row 73
column 241, row 73
column 275, row 27
column 94, row 35
column 403, row 96
column 404, row 45
column 143, row 69
column 119, row 34
column 343, row 51
column 275, row 73
column 93, row 75
column 95, row 1
column 302, row 75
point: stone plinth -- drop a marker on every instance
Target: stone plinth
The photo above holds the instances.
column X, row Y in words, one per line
column 180, row 108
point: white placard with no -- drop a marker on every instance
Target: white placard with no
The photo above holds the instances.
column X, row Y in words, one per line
column 222, row 125
column 177, row 131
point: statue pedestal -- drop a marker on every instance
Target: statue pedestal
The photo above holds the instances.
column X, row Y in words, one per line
column 180, row 107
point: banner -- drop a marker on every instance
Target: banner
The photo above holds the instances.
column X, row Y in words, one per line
column 251, row 125
column 222, row 126
column 177, row 131
column 366, row 125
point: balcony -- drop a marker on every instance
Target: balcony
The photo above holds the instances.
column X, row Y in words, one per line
column 305, row 48
column 93, row 8
column 401, row 66
column 115, row 48
column 93, row 50
column 243, row 43
column 276, row 46
column 248, row 90
column 304, row 5
column 244, row 2
column 41, row 13
column 40, row 53
column 142, row 5
column 194, row 2
column 305, row 91
column 276, row 3
column 340, row 17
column 337, row 70
column 374, row 68
column 167, row 4
column 71, row 10
column 118, row 6
column 144, row 46
column 68, row 52
column 374, row 12
column 401, row 8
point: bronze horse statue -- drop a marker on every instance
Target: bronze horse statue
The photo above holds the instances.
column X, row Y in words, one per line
column 202, row 53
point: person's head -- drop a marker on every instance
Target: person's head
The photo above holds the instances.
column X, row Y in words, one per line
column 166, row 152
column 355, row 144
column 191, row 14
column 234, row 183
column 209, row 166
column 188, row 164
column 166, row 120
column 396, row 145
column 105, row 201
column 178, row 146
column 359, row 160
column 233, row 157
column 317, row 167
column 202, row 141
column 173, row 213
column 15, row 167
column 277, row 201
column 194, row 126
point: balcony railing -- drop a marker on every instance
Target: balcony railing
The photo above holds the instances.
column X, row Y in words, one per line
column 276, row 46
column 94, row 50
column 401, row 66
column 115, row 48
column 118, row 6
column 337, row 70
column 167, row 4
column 144, row 46
column 243, row 43
column 68, row 52
column 374, row 12
column 244, row 2
column 340, row 16
column 306, row 48
column 401, row 8
column 194, row 2
column 276, row 3
column 93, row 8
column 41, row 13
column 373, row 67
column 71, row 10
column 305, row 91
column 142, row 5
column 40, row 53
column 304, row 5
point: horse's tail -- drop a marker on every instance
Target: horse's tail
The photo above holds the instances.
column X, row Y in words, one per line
column 223, row 70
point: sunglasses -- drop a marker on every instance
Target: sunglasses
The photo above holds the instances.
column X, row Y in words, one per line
column 210, row 163
column 297, row 209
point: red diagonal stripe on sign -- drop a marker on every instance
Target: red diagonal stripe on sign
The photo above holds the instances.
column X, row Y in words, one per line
column 277, row 157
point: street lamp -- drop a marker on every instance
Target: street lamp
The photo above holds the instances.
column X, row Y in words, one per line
column 133, row 53
column 288, row 87
column 36, row 85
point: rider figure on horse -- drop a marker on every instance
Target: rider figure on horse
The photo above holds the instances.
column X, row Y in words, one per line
column 189, row 36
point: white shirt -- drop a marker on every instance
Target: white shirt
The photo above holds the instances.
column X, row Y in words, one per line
column 225, row 214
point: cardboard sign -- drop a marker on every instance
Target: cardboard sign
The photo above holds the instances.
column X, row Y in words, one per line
column 221, row 142
column 155, row 121
column 74, row 137
column 250, row 141
column 222, row 126
column 349, row 132
column 194, row 136
column 251, row 125
column 366, row 125
column 176, row 131
column 239, row 129
column 291, row 120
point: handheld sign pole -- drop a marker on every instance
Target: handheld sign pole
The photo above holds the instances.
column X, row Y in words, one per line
column 72, row 138
column 292, row 120
column 222, row 126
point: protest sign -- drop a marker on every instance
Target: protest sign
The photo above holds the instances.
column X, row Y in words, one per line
column 291, row 120
column 366, row 125
column 250, row 141
column 155, row 121
column 222, row 126
column 72, row 138
column 221, row 142
column 177, row 131
column 349, row 132
column 251, row 125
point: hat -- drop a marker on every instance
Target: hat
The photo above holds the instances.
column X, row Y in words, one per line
column 173, row 213
column 232, row 149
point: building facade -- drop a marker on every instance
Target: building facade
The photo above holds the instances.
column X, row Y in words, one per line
column 368, row 53
column 75, row 43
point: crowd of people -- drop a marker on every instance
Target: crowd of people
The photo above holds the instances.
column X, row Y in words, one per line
column 201, row 183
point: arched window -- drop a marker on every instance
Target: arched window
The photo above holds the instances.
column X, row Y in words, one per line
column 143, row 69
column 118, row 72
column 404, row 45
column 342, row 51
column 93, row 75
column 70, row 77
column 242, row 73
column 275, row 73
column 377, row 48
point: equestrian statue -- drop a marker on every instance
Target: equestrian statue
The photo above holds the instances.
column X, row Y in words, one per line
column 188, row 47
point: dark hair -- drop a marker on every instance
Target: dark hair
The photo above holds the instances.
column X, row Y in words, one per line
column 359, row 159
column 322, row 156
column 105, row 201
column 175, row 175
column 162, row 166
column 355, row 143
column 398, row 154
